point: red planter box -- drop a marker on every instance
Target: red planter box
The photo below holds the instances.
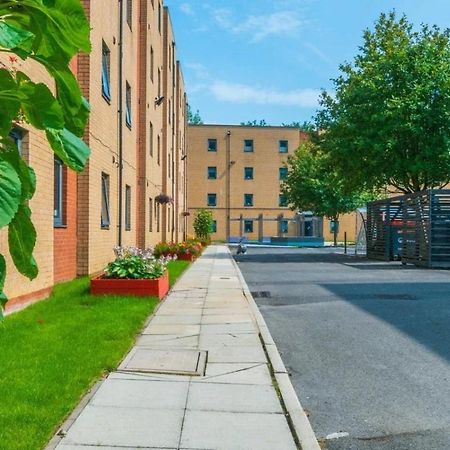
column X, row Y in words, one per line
column 185, row 257
column 142, row 288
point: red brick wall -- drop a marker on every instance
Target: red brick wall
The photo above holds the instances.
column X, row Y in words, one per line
column 65, row 239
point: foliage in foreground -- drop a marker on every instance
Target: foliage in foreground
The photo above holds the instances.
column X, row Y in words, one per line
column 388, row 123
column 50, row 33
column 313, row 185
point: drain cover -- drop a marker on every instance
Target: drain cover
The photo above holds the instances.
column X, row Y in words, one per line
column 260, row 294
column 175, row 362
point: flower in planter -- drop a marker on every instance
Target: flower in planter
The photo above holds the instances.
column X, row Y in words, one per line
column 135, row 263
column 163, row 199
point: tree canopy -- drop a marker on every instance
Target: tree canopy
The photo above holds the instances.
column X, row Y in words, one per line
column 50, row 33
column 388, row 121
column 312, row 184
column 194, row 118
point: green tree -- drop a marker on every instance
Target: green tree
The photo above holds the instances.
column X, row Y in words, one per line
column 194, row 118
column 255, row 123
column 313, row 185
column 306, row 126
column 388, row 123
column 49, row 32
column 203, row 223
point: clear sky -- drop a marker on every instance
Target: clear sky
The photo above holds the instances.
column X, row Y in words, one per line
column 268, row 59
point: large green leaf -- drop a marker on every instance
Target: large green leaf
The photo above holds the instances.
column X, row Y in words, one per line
column 77, row 123
column 22, row 239
column 41, row 109
column 25, row 173
column 70, row 148
column 9, row 101
column 12, row 37
column 10, row 191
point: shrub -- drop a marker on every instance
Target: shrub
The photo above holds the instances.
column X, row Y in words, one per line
column 203, row 224
column 134, row 263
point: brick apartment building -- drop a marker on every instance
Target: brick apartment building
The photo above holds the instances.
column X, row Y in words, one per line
column 136, row 132
column 236, row 172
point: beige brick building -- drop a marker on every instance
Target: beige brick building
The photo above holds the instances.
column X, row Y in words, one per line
column 136, row 132
column 236, row 172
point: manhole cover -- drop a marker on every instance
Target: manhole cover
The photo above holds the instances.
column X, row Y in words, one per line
column 178, row 362
column 395, row 297
column 260, row 294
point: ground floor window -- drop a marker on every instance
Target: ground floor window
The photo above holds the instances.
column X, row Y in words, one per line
column 248, row 226
column 58, row 197
column 105, row 201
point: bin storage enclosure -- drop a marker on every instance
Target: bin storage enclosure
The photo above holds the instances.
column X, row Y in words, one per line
column 413, row 228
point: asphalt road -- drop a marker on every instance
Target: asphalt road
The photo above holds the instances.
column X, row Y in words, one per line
column 367, row 344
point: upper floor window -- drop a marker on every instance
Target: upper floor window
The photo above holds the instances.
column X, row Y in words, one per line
column 58, row 198
column 248, row 199
column 212, row 199
column 283, row 173
column 248, row 145
column 17, row 136
column 283, row 146
column 152, row 63
column 212, row 173
column 105, row 201
column 106, row 72
column 248, row 173
column 212, row 145
column 150, row 138
column 128, row 105
column 129, row 12
column 159, row 18
column 158, row 150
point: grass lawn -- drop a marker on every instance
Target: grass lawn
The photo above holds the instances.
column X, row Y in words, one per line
column 52, row 352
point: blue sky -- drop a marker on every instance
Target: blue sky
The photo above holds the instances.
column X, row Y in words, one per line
column 269, row 59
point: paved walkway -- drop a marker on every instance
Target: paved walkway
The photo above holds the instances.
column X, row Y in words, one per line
column 233, row 405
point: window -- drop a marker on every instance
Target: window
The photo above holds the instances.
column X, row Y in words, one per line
column 282, row 200
column 283, row 146
column 159, row 18
column 212, row 200
column 158, row 149
column 170, row 111
column 106, row 72
column 248, row 226
column 17, row 136
column 248, row 199
column 152, row 63
column 129, row 12
column 150, row 139
column 105, row 201
column 127, row 208
column 212, row 173
column 58, row 203
column 128, row 105
column 158, row 216
column 248, row 145
column 150, row 214
column 214, row 226
column 212, row 145
column 284, row 225
column 159, row 83
column 248, row 173
column 283, row 173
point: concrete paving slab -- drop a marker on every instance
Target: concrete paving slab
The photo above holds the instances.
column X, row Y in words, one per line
column 126, row 427
column 178, row 329
column 225, row 431
column 233, row 328
column 216, row 311
column 243, row 373
column 149, row 376
column 216, row 340
column 233, row 398
column 229, row 318
column 232, row 354
column 95, row 447
column 156, row 340
column 177, row 319
column 141, row 393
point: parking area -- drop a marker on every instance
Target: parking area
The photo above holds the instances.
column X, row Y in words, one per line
column 367, row 344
